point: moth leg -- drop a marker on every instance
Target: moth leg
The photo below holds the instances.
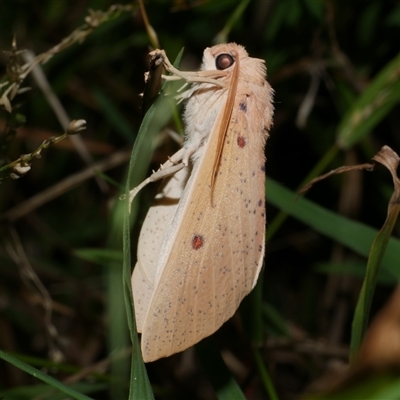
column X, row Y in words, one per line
column 170, row 167
column 174, row 164
column 191, row 77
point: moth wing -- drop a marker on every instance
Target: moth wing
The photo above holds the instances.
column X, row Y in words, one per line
column 218, row 247
column 157, row 221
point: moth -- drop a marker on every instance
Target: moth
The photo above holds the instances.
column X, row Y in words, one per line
column 201, row 246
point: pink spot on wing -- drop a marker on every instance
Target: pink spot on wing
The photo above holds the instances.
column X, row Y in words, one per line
column 241, row 141
column 197, row 242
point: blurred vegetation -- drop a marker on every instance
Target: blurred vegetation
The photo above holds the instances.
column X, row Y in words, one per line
column 335, row 69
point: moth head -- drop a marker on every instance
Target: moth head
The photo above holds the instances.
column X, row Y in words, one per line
column 222, row 57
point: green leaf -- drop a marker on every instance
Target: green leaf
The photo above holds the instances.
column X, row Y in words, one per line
column 265, row 376
column 354, row 268
column 157, row 115
column 43, row 377
column 139, row 382
column 113, row 115
column 44, row 392
column 275, row 322
column 372, row 106
column 363, row 307
column 354, row 235
column 315, row 7
column 379, row 387
column 251, row 313
column 99, row 256
column 222, row 36
column 225, row 386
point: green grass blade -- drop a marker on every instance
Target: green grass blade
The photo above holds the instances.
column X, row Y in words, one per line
column 265, row 377
column 156, row 117
column 98, row 256
column 222, row 36
column 43, row 377
column 112, row 114
column 139, row 382
column 372, row 106
column 317, row 170
column 225, row 386
column 363, row 307
column 274, row 321
column 354, row 268
column 354, row 235
column 139, row 387
column 118, row 338
column 378, row 387
column 44, row 392
column 251, row 313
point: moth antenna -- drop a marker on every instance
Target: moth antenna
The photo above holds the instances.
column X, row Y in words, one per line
column 226, row 117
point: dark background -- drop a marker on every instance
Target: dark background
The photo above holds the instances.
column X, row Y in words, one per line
column 342, row 45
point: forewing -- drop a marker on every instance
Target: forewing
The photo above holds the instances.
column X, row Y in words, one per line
column 157, row 221
column 218, row 249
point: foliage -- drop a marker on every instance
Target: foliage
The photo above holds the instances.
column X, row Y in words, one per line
column 64, row 308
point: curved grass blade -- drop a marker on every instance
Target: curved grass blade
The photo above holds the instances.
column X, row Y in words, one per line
column 372, row 106
column 354, row 235
column 44, row 392
column 391, row 161
column 43, row 377
column 380, row 387
column 225, row 386
column 363, row 307
column 354, row 268
column 140, row 387
column 265, row 376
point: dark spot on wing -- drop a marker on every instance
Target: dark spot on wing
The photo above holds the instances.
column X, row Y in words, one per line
column 241, row 141
column 197, row 242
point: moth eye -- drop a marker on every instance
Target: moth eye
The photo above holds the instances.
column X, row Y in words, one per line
column 224, row 61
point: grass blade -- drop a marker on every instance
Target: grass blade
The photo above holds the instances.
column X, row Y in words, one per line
column 372, row 106
column 363, row 307
column 391, row 161
column 225, row 386
column 140, row 387
column 354, row 235
column 43, row 377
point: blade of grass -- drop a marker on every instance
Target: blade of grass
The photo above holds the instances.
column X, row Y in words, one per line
column 363, row 307
column 251, row 313
column 225, row 386
column 43, row 377
column 265, row 377
column 274, row 321
column 354, row 235
column 391, row 161
column 378, row 387
column 372, row 106
column 118, row 338
column 44, row 392
column 99, row 256
column 317, row 170
column 139, row 387
column 354, row 268
column 113, row 115
column 222, row 36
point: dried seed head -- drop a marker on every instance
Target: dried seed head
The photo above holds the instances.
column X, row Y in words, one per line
column 19, row 170
column 76, row 126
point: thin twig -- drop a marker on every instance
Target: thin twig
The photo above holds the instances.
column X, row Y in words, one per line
column 62, row 116
column 63, row 186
